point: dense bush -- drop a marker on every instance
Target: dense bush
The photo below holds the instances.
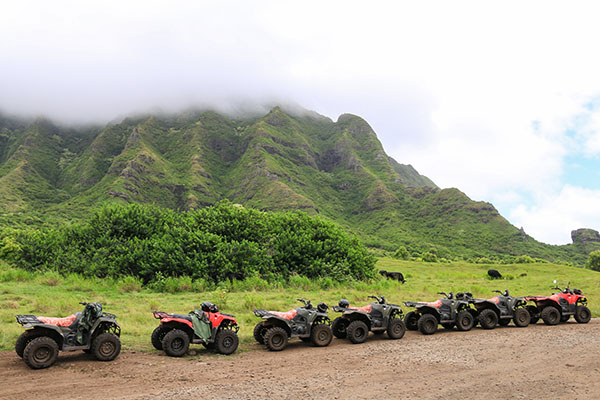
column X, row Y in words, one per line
column 593, row 261
column 149, row 242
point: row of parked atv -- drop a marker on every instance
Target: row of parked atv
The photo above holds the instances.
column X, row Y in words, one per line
column 97, row 332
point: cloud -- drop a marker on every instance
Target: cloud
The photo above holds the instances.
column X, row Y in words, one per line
column 572, row 208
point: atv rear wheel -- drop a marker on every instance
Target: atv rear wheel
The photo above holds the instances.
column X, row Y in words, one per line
column 276, row 338
column 227, row 341
column 396, row 329
column 22, row 342
column 504, row 321
column 321, row 335
column 157, row 336
column 411, row 320
column 357, row 332
column 106, row 346
column 535, row 314
column 582, row 314
column 40, row 352
column 550, row 315
column 176, row 343
column 488, row 319
column 259, row 333
column 338, row 327
column 428, row 324
column 464, row 321
column 522, row 317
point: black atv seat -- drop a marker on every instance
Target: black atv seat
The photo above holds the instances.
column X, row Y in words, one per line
column 182, row 316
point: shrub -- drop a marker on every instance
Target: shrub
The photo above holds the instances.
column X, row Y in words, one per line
column 154, row 244
column 524, row 259
column 429, row 257
column 402, row 253
column 593, row 261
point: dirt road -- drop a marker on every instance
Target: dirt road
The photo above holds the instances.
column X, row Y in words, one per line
column 538, row 362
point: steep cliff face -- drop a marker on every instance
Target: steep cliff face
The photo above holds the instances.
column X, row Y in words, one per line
column 279, row 161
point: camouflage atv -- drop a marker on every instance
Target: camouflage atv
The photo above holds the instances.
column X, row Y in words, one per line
column 213, row 329
column 306, row 323
column 448, row 311
column 500, row 310
column 377, row 317
column 91, row 330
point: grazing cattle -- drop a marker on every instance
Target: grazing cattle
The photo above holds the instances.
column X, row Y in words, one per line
column 523, row 274
column 393, row 275
column 494, row 274
column 234, row 275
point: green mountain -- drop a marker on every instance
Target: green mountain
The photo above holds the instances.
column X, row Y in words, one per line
column 279, row 161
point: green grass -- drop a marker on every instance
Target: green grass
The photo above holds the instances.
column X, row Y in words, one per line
column 50, row 294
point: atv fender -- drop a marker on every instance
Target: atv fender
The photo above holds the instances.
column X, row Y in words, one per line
column 51, row 331
column 481, row 305
column 353, row 315
column 278, row 322
column 429, row 310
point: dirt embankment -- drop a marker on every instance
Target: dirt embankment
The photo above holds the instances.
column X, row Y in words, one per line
column 538, row 362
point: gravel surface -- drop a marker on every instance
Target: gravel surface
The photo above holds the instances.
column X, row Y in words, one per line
column 537, row 362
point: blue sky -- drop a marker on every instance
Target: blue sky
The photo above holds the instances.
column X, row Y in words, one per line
column 497, row 99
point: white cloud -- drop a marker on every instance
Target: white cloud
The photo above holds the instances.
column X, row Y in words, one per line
column 572, row 208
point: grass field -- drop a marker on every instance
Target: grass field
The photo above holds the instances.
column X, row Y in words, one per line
column 50, row 294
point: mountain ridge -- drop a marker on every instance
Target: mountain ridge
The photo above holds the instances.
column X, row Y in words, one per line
column 277, row 161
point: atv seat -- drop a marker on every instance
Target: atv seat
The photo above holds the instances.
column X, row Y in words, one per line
column 367, row 309
column 181, row 316
column 66, row 322
column 285, row 315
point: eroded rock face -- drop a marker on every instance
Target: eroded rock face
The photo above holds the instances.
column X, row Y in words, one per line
column 585, row 236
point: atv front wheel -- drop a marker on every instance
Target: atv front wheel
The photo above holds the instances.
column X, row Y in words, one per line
column 106, row 346
column 40, row 352
column 22, row 342
column 259, row 333
column 396, row 329
column 582, row 314
column 465, row 321
column 157, row 336
column 357, row 331
column 226, row 341
column 276, row 338
column 428, row 324
column 550, row 315
column 488, row 319
column 321, row 335
column 411, row 320
column 522, row 317
column 176, row 343
column 339, row 327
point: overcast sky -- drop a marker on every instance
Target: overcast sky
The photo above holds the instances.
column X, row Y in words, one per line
column 498, row 99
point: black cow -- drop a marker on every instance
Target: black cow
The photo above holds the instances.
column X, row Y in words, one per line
column 393, row 275
column 234, row 275
column 494, row 274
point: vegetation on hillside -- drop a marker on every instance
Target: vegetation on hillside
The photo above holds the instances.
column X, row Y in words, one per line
column 153, row 243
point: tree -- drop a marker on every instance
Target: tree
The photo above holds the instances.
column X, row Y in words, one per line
column 593, row 261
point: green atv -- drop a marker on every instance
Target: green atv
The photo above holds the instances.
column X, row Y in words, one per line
column 308, row 323
column 377, row 317
column 91, row 330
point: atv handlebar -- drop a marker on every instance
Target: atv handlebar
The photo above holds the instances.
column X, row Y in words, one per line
column 307, row 303
column 443, row 293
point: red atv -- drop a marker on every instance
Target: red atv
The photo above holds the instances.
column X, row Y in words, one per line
column 177, row 331
column 559, row 307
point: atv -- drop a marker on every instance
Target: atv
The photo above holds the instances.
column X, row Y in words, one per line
column 91, row 330
column 500, row 310
column 560, row 306
column 306, row 322
column 207, row 326
column 448, row 311
column 377, row 317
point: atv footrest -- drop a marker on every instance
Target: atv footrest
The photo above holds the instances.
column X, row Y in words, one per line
column 27, row 319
